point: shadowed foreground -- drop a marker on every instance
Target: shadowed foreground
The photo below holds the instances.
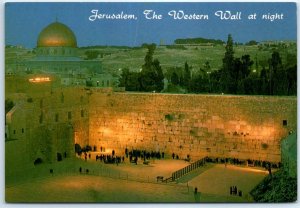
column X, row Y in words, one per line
column 213, row 185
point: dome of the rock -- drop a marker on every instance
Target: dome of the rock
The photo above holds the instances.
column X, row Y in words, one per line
column 56, row 35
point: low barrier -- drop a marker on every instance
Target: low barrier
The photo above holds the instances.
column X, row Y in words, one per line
column 179, row 173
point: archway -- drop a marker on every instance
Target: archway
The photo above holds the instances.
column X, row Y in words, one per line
column 38, row 161
column 59, row 157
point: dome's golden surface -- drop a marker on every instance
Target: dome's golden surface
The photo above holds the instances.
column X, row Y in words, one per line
column 57, row 35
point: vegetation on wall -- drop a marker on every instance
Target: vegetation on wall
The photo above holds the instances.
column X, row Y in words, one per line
column 169, row 117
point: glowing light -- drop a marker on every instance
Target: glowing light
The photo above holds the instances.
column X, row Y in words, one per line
column 40, row 79
column 105, row 131
column 248, row 169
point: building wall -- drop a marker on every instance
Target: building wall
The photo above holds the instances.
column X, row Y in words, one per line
column 16, row 149
column 245, row 127
column 52, row 121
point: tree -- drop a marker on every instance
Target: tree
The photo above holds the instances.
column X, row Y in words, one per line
column 251, row 42
column 200, row 84
column 275, row 61
column 246, row 66
column 174, row 79
column 151, row 76
column 292, row 80
column 275, row 65
column 228, row 62
column 159, row 78
column 149, row 56
column 263, row 82
column 124, row 78
column 186, row 76
column 207, row 66
column 91, row 54
column 214, row 81
column 129, row 80
column 133, row 83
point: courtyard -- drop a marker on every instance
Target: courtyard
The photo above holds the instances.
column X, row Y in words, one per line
column 128, row 182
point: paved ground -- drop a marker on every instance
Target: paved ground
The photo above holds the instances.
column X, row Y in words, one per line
column 216, row 181
column 128, row 183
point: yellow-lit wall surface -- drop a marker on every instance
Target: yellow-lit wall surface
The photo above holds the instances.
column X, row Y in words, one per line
column 244, row 127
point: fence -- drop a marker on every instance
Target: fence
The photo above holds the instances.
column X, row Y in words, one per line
column 47, row 172
column 179, row 173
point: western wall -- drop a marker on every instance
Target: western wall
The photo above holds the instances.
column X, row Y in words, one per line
column 45, row 123
column 244, row 127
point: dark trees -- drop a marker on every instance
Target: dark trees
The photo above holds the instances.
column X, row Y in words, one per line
column 235, row 71
column 251, row 42
column 130, row 80
column 174, row 79
column 292, row 80
column 269, row 76
column 186, row 76
column 91, row 54
column 228, row 67
column 149, row 79
column 151, row 76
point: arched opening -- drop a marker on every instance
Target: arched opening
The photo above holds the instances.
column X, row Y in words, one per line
column 59, row 157
column 38, row 161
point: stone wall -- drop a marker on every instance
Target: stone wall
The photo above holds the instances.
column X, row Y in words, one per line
column 45, row 123
column 245, row 127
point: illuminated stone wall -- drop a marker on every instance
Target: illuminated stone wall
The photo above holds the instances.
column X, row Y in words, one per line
column 245, row 127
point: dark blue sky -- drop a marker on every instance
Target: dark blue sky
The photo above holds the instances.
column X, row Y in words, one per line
column 24, row 21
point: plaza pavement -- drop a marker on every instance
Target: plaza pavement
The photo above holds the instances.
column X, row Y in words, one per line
column 128, row 182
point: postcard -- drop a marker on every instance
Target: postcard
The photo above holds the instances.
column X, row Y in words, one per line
column 150, row 102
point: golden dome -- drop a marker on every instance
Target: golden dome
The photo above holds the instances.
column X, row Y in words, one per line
column 56, row 35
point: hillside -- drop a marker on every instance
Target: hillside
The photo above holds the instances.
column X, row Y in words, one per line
column 115, row 58
column 133, row 58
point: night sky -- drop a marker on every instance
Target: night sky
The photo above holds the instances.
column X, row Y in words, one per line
column 24, row 21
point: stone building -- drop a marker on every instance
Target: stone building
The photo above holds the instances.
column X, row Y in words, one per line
column 56, row 52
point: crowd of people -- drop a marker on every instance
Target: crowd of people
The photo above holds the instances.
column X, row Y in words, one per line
column 132, row 155
column 144, row 154
column 136, row 154
column 110, row 159
column 236, row 161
